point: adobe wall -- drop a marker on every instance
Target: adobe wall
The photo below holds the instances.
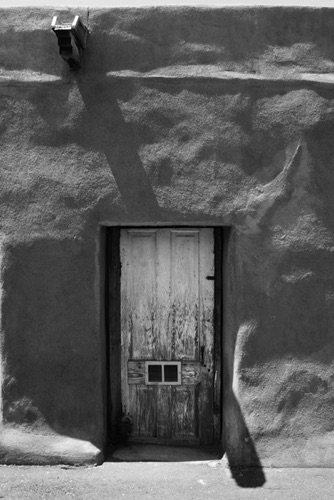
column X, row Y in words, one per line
column 180, row 116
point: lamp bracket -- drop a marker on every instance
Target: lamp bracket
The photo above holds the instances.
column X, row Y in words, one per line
column 72, row 39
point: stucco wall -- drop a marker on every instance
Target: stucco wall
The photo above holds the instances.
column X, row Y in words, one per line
column 180, row 116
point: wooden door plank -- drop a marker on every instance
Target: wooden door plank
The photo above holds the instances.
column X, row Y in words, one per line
column 206, row 334
column 126, row 319
column 207, row 272
column 185, row 412
column 164, row 412
column 137, row 251
column 132, row 410
column 136, row 372
column 218, row 329
column 146, row 410
column 190, row 373
column 185, row 294
column 163, row 300
column 142, row 293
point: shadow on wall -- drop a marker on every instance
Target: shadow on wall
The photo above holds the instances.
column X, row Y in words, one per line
column 245, row 464
column 110, row 134
column 104, row 129
column 240, row 448
column 49, row 343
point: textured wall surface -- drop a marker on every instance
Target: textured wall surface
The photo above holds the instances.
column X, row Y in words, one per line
column 180, row 116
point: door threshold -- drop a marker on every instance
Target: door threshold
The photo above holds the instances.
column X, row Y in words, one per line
column 165, row 442
column 136, row 452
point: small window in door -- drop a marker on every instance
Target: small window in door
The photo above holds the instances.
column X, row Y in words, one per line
column 154, row 373
column 163, row 372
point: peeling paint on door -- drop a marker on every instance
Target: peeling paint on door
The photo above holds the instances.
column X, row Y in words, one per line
column 167, row 306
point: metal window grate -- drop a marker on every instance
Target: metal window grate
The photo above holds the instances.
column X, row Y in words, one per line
column 163, row 372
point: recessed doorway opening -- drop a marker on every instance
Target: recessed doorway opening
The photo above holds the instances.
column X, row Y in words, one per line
column 164, row 322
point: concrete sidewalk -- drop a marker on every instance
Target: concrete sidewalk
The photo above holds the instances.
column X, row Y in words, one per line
column 159, row 480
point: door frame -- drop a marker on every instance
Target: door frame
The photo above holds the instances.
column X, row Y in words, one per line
column 116, row 425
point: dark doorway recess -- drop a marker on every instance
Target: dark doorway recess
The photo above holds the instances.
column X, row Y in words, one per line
column 129, row 262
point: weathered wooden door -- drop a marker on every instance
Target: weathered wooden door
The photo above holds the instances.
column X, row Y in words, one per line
column 167, row 333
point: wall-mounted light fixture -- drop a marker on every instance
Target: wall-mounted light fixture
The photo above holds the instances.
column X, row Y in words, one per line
column 72, row 39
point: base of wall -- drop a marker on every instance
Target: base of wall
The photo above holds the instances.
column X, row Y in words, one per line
column 316, row 451
column 27, row 448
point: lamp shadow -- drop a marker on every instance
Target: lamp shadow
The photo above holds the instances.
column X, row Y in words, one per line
column 108, row 132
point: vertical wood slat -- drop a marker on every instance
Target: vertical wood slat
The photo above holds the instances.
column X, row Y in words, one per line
column 114, row 317
column 207, row 272
column 163, row 303
column 218, row 315
column 185, row 412
column 141, row 290
column 164, row 404
column 185, row 293
column 133, row 394
column 146, row 410
column 138, row 306
column 126, row 320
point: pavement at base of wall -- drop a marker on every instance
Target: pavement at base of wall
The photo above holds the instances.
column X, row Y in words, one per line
column 129, row 476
